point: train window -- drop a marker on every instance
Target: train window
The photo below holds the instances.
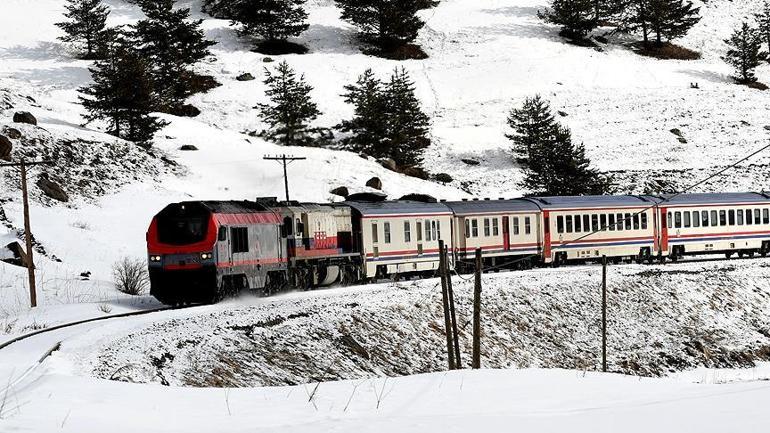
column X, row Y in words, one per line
column 722, row 218
column 418, row 230
column 515, row 225
column 749, row 217
column 222, row 236
column 239, row 239
column 765, row 216
column 756, row 216
column 467, row 228
column 578, row 224
column 644, row 221
column 495, row 227
column 627, row 219
column 704, row 216
column 695, row 218
column 375, row 235
column 636, row 221
column 386, row 229
column 487, row 227
column 612, row 222
column 407, row 231
column 475, row 228
column 739, row 216
column 687, row 223
column 714, row 219
column 603, row 221
column 670, row 221
column 434, row 230
column 427, row 230
column 376, row 252
column 586, row 223
column 678, row 220
column 438, row 229
column 569, row 223
column 560, row 224
column 731, row 216
column 620, row 221
column 527, row 225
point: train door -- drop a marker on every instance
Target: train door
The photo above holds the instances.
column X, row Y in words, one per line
column 506, row 233
column 224, row 252
column 546, row 236
column 663, row 231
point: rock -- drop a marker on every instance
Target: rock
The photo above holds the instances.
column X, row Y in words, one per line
column 341, row 191
column 188, row 147
column 388, row 163
column 24, row 117
column 601, row 39
column 767, row 127
column 676, row 132
column 268, row 60
column 5, row 148
column 245, row 77
column 187, row 110
column 416, row 172
column 562, row 113
column 14, row 254
column 85, row 275
column 470, row 161
column 375, row 183
column 12, row 133
column 682, row 140
column 51, row 188
column 443, row 178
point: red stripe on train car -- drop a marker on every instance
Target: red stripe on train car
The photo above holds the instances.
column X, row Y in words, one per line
column 247, row 218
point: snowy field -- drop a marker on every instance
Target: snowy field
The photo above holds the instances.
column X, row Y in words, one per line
column 486, row 56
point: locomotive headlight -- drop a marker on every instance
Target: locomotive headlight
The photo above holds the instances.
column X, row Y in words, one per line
column 154, row 258
column 206, row 256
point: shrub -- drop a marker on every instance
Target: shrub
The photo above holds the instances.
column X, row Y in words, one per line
column 130, row 276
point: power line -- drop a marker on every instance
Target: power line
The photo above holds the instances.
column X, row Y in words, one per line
column 285, row 160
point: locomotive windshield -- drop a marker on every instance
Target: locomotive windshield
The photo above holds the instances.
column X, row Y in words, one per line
column 183, row 224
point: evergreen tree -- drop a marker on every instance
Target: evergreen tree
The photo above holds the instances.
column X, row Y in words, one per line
column 664, row 19
column 608, row 9
column 273, row 21
column 290, row 110
column 87, row 21
column 576, row 17
column 763, row 19
column 367, row 127
column 407, row 127
column 745, row 53
column 122, row 93
column 389, row 23
column 533, row 124
column 172, row 43
column 560, row 168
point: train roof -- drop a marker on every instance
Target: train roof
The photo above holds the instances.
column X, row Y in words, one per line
column 491, row 206
column 398, row 207
column 243, row 206
column 592, row 201
column 712, row 198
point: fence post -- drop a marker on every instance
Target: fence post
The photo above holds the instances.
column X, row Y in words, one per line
column 604, row 314
column 453, row 315
column 477, row 313
column 445, row 299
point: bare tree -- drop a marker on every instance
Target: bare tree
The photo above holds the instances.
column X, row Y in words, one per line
column 130, row 276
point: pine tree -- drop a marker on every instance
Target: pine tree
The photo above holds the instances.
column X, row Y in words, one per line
column 273, row 21
column 122, row 93
column 745, row 53
column 763, row 19
column 576, row 17
column 291, row 108
column 665, row 19
column 87, row 21
column 367, row 127
column 406, row 135
column 172, row 43
column 533, row 124
column 388, row 23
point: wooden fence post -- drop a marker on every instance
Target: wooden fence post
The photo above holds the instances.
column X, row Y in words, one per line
column 445, row 299
column 452, row 314
column 604, row 314
column 477, row 312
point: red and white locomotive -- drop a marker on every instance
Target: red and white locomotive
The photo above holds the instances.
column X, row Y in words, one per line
column 200, row 251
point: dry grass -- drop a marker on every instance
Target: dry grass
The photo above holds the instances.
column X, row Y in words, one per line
column 666, row 51
column 130, row 276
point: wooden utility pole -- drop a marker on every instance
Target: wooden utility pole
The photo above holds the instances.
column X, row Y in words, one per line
column 452, row 314
column 30, row 262
column 445, row 298
column 285, row 160
column 476, row 363
column 604, row 314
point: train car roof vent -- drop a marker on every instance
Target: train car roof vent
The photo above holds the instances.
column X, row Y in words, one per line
column 422, row 198
column 486, row 198
column 465, row 199
column 501, row 198
column 443, row 200
column 475, row 199
column 267, row 201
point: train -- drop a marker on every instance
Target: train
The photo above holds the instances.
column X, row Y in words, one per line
column 202, row 251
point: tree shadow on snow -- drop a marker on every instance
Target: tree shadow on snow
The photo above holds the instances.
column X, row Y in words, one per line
column 42, row 51
column 514, row 11
column 65, row 77
column 710, row 76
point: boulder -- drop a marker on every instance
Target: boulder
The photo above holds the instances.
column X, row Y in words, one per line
column 14, row 254
column 470, row 161
column 341, row 191
column 388, row 163
column 24, row 117
column 51, row 188
column 443, row 178
column 12, row 133
column 187, row 110
column 188, row 147
column 245, row 77
column 375, row 183
column 676, row 132
column 5, row 148
column 562, row 113
column 416, row 172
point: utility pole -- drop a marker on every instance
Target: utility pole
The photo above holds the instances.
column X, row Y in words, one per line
column 604, row 314
column 27, row 230
column 445, row 302
column 476, row 362
column 285, row 160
